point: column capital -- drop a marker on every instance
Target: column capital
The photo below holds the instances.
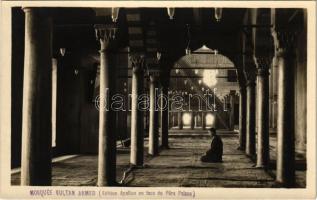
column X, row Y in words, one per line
column 250, row 83
column 154, row 73
column 154, row 76
column 283, row 31
column 284, row 40
column 263, row 72
column 263, row 47
column 27, row 9
column 138, row 61
column 38, row 10
column 263, row 62
column 105, row 33
column 250, row 75
column 242, row 89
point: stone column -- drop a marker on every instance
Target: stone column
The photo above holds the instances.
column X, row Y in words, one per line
column 250, row 123
column 242, row 118
column 125, row 115
column 180, row 120
column 175, row 119
column 154, row 113
column 285, row 171
column 274, row 96
column 54, row 99
column 171, row 120
column 146, row 117
column 263, row 151
column 203, row 120
column 164, row 115
column 271, row 92
column 192, row 121
column 107, row 117
column 37, row 99
column 137, row 126
column 231, row 117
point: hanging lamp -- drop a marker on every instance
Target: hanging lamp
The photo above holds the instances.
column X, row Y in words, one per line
column 218, row 14
column 115, row 14
column 171, row 12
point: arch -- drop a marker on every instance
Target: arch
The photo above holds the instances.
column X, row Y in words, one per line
column 194, row 65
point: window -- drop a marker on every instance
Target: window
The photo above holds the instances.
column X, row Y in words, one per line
column 232, row 76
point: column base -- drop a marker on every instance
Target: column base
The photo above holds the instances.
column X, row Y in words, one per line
column 281, row 184
column 112, row 184
column 153, row 155
column 261, row 167
column 133, row 166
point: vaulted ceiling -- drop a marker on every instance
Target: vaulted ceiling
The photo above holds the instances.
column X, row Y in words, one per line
column 74, row 29
column 149, row 30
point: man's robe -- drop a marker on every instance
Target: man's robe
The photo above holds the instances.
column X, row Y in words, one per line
column 214, row 154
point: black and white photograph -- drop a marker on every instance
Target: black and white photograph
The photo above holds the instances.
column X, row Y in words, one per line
column 157, row 101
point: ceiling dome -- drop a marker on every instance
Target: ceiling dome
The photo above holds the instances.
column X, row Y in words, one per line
column 205, row 57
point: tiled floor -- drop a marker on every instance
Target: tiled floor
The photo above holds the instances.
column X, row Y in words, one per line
column 178, row 166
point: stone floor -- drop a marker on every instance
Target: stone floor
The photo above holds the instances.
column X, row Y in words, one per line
column 179, row 165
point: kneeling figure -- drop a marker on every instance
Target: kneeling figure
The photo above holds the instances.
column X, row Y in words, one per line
column 214, row 154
